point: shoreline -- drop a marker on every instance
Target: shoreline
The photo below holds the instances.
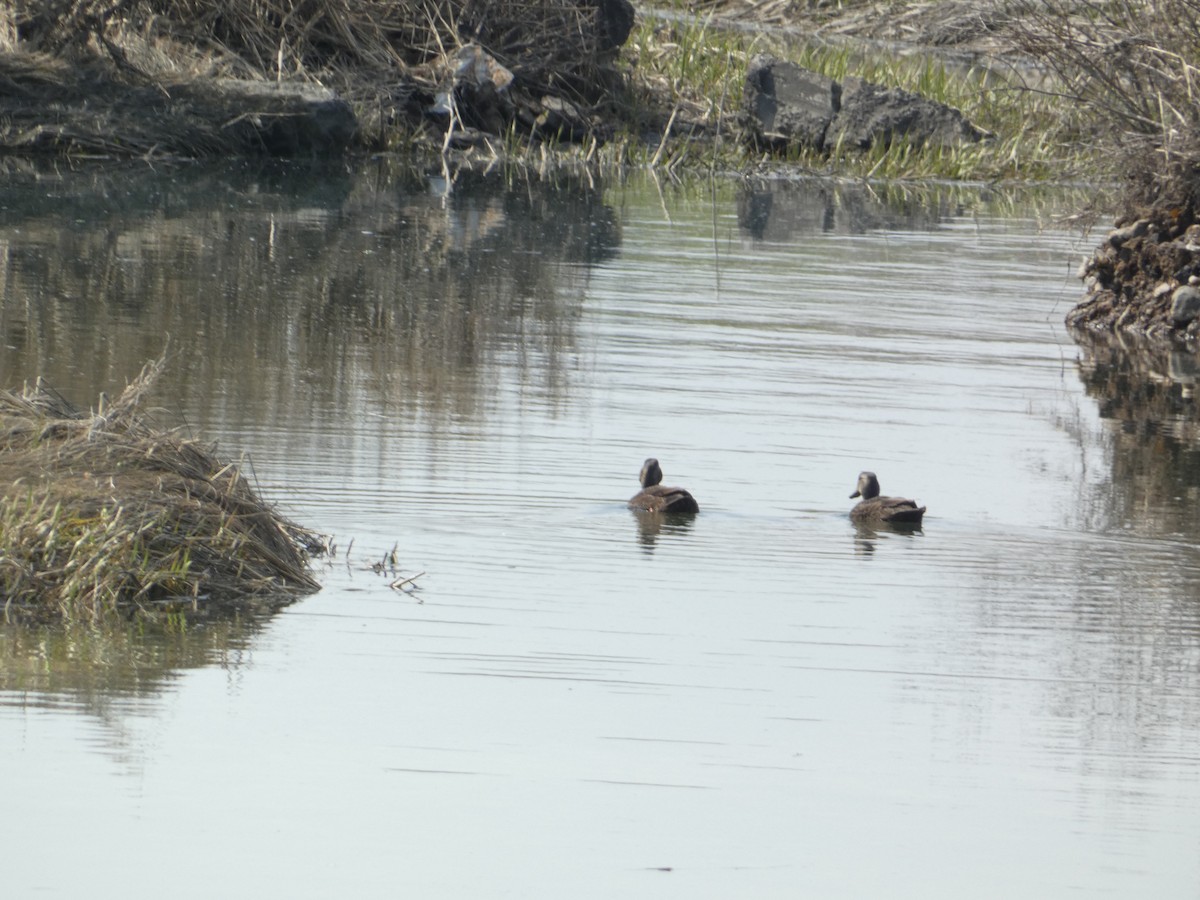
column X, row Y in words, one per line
column 120, row 93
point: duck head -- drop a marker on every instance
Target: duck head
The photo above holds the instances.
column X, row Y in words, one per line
column 868, row 486
column 651, row 473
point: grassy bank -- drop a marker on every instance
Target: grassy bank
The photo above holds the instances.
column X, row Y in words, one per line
column 693, row 69
column 669, row 98
column 1068, row 90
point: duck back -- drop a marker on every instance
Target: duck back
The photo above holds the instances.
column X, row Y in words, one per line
column 659, row 498
column 887, row 509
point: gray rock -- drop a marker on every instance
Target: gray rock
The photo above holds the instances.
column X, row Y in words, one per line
column 1136, row 229
column 1185, row 305
column 871, row 114
column 787, row 106
column 615, row 21
column 473, row 90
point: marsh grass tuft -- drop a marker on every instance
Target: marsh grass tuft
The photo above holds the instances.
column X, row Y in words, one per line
column 104, row 514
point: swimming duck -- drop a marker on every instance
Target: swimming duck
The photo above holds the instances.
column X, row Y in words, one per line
column 653, row 497
column 873, row 508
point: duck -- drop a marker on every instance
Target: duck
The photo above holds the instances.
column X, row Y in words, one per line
column 873, row 508
column 653, row 497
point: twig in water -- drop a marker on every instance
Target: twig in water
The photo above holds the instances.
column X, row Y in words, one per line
column 666, row 134
column 399, row 583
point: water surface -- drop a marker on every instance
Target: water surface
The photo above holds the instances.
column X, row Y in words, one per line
column 763, row 700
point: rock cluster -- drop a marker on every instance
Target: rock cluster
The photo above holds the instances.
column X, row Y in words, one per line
column 789, row 107
column 1145, row 278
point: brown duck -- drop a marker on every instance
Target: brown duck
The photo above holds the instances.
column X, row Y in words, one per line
column 653, row 497
column 873, row 508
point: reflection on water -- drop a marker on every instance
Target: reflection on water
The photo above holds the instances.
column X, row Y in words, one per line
column 1005, row 701
column 92, row 666
column 868, row 534
column 265, row 277
column 776, row 212
column 651, row 526
column 1145, row 394
column 110, row 674
column 782, row 212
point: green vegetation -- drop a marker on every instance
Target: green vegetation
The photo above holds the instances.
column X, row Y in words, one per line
column 1093, row 90
column 698, row 68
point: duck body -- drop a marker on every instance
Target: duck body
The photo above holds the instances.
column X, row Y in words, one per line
column 874, row 508
column 655, row 497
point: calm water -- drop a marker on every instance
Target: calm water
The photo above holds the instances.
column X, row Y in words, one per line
column 763, row 701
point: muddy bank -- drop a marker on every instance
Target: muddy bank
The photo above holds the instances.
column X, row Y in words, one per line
column 53, row 108
column 244, row 77
column 151, row 78
column 1144, row 278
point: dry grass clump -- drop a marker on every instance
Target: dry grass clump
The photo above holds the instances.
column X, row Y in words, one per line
column 1134, row 66
column 144, row 63
column 103, row 513
column 543, row 42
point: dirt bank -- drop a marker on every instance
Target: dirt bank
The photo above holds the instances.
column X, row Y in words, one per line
column 1144, row 277
column 158, row 79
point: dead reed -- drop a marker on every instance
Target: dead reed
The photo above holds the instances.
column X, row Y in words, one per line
column 1134, row 66
column 543, row 42
column 104, row 514
column 389, row 59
